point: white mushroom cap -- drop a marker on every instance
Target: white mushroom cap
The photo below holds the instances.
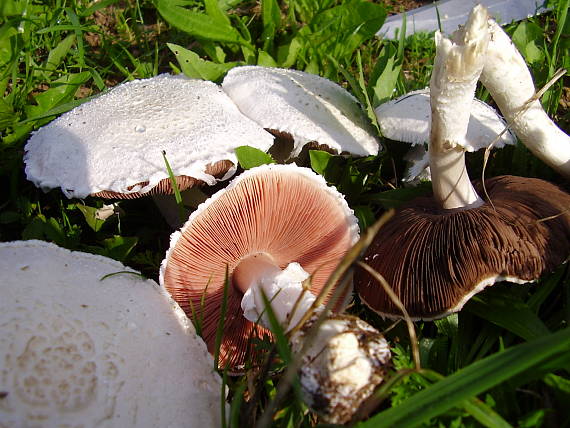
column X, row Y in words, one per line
column 408, row 119
column 115, row 142
column 80, row 350
column 306, row 106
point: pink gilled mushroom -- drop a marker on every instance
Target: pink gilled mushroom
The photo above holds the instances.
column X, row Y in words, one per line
column 273, row 225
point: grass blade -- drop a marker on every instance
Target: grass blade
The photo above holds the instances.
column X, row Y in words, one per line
column 221, row 322
column 175, row 189
column 473, row 380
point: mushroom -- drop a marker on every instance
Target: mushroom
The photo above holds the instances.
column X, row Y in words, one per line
column 342, row 367
column 274, row 225
column 85, row 341
column 437, row 252
column 113, row 146
column 302, row 108
column 408, row 118
column 278, row 229
column 509, row 82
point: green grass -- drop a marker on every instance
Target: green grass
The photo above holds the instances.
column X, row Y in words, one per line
column 502, row 361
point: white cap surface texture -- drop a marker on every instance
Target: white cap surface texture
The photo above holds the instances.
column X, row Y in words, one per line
column 115, row 141
column 80, row 350
column 306, row 106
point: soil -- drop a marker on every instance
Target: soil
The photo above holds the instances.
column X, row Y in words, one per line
column 398, row 6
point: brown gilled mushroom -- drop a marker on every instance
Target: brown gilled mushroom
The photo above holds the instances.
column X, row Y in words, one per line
column 437, row 252
column 273, row 226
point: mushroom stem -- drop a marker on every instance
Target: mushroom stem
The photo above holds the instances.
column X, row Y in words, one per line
column 259, row 274
column 509, row 82
column 341, row 366
column 450, row 181
column 458, row 64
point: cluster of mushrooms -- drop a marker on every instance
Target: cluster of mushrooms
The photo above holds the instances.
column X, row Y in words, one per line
column 92, row 341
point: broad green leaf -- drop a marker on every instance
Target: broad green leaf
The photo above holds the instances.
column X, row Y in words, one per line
column 216, row 13
column 61, row 91
column 365, row 216
column 250, row 157
column 320, row 161
column 8, row 33
column 472, row 380
column 287, row 54
column 342, row 29
column 271, row 18
column 194, row 66
column 91, row 217
column 101, row 4
column 46, row 229
column 396, row 197
column 118, row 247
column 12, row 7
column 527, row 38
column 197, row 24
column 385, row 75
column 57, row 54
column 7, row 114
column 532, row 420
column 265, row 60
column 514, row 315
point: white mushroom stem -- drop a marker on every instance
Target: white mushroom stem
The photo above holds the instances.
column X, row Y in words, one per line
column 342, row 366
column 509, row 82
column 258, row 274
column 346, row 359
column 458, row 64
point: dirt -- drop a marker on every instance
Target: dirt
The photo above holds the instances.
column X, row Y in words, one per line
column 398, row 6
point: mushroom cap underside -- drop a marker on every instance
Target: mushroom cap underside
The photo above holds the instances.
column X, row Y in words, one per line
column 219, row 170
column 436, row 259
column 115, row 142
column 85, row 341
column 284, row 211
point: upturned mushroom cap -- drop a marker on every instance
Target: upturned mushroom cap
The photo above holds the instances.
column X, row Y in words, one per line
column 112, row 146
column 283, row 211
column 436, row 259
column 408, row 119
column 308, row 107
column 82, row 343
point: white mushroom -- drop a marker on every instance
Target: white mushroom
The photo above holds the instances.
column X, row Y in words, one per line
column 114, row 144
column 408, row 119
column 85, row 341
column 308, row 107
column 509, row 82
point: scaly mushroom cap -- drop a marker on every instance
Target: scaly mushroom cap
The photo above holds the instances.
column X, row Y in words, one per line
column 84, row 343
column 436, row 259
column 305, row 106
column 112, row 145
column 285, row 211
